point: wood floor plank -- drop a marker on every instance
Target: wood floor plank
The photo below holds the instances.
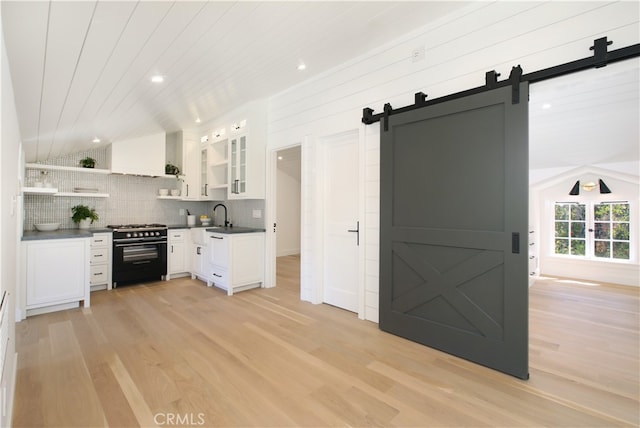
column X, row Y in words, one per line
column 135, row 399
column 177, row 351
column 67, row 367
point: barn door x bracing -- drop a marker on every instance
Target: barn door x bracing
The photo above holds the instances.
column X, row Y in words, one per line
column 453, row 232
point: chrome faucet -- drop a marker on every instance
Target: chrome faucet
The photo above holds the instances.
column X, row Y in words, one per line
column 226, row 222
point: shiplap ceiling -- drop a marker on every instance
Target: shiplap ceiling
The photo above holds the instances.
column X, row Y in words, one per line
column 587, row 118
column 82, row 69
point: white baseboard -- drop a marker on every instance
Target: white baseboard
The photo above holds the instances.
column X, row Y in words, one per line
column 291, row 252
column 592, row 270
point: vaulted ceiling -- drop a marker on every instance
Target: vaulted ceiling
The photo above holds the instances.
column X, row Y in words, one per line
column 82, row 69
column 587, row 118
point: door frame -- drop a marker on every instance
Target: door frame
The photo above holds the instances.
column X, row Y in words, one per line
column 312, row 200
column 271, row 208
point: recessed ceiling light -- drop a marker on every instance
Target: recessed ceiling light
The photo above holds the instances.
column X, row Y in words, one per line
column 546, row 106
column 95, row 140
column 198, row 120
column 279, row 157
column 302, row 66
column 157, row 78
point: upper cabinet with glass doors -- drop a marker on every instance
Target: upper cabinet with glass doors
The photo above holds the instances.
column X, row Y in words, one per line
column 238, row 175
column 235, row 155
column 247, row 165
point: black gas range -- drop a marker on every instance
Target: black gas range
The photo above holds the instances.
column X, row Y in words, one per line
column 139, row 252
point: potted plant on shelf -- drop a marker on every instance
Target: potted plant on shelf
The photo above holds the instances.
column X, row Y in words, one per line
column 171, row 169
column 83, row 216
column 88, row 162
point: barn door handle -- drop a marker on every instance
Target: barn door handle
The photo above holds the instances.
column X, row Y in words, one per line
column 515, row 243
column 357, row 231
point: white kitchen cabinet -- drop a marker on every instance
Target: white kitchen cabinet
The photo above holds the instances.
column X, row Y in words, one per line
column 100, row 261
column 191, row 171
column 177, row 257
column 200, row 262
column 218, row 166
column 138, row 156
column 246, row 168
column 237, row 261
column 213, row 171
column 56, row 274
column 238, row 166
column 200, row 267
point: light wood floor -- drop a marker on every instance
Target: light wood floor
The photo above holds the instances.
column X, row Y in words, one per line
column 179, row 353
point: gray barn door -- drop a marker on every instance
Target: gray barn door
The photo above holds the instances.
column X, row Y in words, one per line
column 454, row 226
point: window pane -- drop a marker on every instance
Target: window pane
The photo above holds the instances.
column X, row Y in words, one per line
column 577, row 229
column 621, row 231
column 601, row 212
column 621, row 250
column 602, row 230
column 620, row 212
column 562, row 212
column 562, row 229
column 562, row 246
column 601, row 249
column 577, row 247
column 578, row 212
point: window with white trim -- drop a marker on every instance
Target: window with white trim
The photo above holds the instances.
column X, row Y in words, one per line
column 599, row 230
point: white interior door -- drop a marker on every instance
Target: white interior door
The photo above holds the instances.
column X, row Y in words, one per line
column 341, row 225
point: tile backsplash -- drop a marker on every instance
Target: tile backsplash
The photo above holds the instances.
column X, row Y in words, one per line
column 131, row 199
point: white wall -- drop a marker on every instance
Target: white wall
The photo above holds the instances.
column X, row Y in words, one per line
column 288, row 211
column 543, row 197
column 460, row 48
column 9, row 223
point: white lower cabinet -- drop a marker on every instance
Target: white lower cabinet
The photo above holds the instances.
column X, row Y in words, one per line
column 199, row 262
column 200, row 267
column 100, row 261
column 177, row 256
column 56, row 274
column 236, row 260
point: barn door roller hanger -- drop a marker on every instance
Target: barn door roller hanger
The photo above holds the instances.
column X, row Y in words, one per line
column 600, row 58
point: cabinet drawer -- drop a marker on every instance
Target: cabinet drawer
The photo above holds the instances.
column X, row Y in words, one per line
column 100, row 241
column 99, row 274
column 99, row 255
column 219, row 276
column 177, row 235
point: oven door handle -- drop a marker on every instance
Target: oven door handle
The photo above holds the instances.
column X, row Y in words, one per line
column 133, row 244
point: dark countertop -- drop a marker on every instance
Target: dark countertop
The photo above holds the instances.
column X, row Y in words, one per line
column 184, row 226
column 218, row 229
column 230, row 230
column 34, row 235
